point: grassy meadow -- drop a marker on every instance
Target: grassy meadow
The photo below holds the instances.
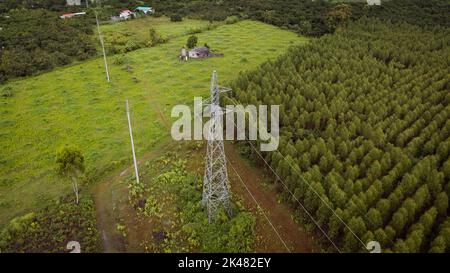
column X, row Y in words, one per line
column 139, row 29
column 76, row 105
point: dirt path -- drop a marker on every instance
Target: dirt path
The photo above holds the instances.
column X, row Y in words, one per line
column 112, row 240
column 112, row 204
column 296, row 238
column 112, row 207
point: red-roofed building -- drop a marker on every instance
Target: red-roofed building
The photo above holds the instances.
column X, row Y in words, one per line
column 70, row 15
column 126, row 14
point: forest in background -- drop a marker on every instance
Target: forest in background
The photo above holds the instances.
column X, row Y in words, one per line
column 365, row 126
column 365, row 114
column 33, row 38
column 38, row 40
column 312, row 18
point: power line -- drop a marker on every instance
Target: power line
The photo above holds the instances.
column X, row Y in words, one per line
column 296, row 199
column 267, row 218
column 363, row 215
column 309, row 185
column 301, row 205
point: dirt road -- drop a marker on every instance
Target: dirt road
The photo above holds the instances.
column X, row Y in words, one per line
column 112, row 207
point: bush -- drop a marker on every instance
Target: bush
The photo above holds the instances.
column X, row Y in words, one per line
column 171, row 185
column 194, row 31
column 155, row 38
column 231, row 20
column 7, row 92
column 131, row 45
column 176, row 18
column 49, row 229
column 118, row 59
column 192, row 41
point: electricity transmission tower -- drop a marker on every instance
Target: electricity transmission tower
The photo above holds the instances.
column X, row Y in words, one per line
column 215, row 181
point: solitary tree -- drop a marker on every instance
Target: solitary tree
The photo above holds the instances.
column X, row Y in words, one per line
column 192, row 41
column 70, row 164
column 338, row 14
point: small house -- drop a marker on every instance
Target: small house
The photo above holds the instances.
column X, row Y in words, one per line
column 125, row 14
column 145, row 10
column 73, row 2
column 70, row 15
column 199, row 52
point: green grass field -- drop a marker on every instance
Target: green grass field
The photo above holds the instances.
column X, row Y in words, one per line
column 76, row 105
column 139, row 29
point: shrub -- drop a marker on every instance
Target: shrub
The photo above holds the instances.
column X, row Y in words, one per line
column 155, row 38
column 194, row 31
column 173, row 186
column 192, row 41
column 176, row 18
column 49, row 229
column 7, row 92
column 231, row 20
column 131, row 45
column 118, row 60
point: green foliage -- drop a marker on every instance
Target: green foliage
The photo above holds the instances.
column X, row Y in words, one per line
column 364, row 117
column 76, row 105
column 176, row 18
column 232, row 20
column 119, row 43
column 194, row 31
column 7, row 92
column 136, row 192
column 69, row 161
column 338, row 15
column 307, row 17
column 192, row 41
column 119, row 59
column 38, row 40
column 128, row 36
column 173, row 194
column 50, row 229
column 155, row 38
column 315, row 18
column 70, row 165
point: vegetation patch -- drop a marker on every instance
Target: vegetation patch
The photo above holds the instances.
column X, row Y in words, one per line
column 38, row 40
column 365, row 126
column 170, row 197
column 76, row 105
column 51, row 229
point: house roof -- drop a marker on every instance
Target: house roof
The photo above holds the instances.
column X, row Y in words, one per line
column 143, row 8
column 73, row 14
column 200, row 50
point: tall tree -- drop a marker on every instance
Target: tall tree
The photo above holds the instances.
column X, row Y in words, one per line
column 70, row 165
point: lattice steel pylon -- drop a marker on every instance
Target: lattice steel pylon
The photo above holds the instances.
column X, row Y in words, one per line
column 215, row 181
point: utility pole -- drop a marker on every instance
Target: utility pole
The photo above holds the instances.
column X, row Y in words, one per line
column 103, row 47
column 132, row 143
column 215, row 181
